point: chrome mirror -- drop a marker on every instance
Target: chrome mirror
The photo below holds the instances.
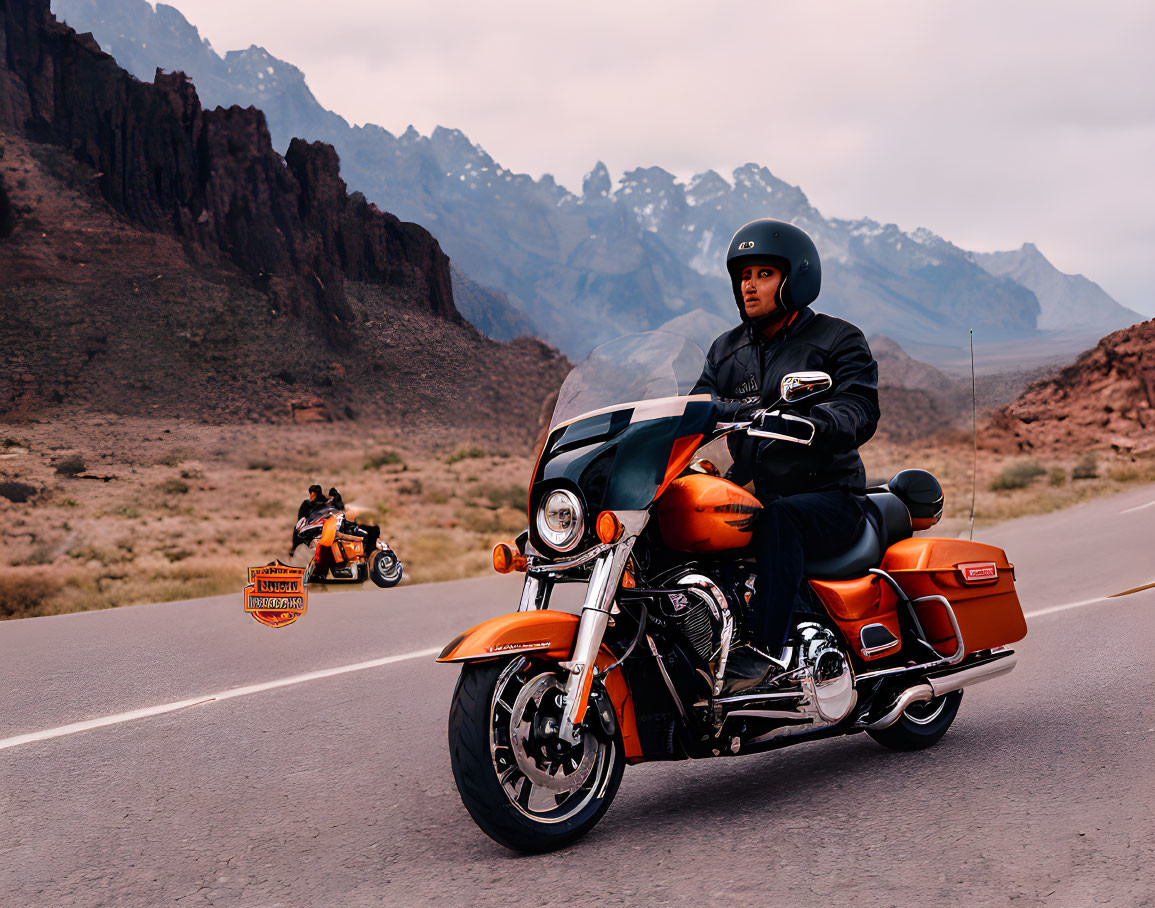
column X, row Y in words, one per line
column 800, row 385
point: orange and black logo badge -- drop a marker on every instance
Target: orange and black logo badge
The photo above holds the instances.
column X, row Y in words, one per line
column 276, row 594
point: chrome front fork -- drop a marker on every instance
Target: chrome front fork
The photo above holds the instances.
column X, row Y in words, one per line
column 595, row 615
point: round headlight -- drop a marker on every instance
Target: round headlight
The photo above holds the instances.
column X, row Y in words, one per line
column 559, row 520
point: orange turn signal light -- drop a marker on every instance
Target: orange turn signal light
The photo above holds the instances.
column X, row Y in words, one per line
column 609, row 527
column 506, row 558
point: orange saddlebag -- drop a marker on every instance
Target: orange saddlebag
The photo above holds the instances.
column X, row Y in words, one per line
column 976, row 579
column 853, row 604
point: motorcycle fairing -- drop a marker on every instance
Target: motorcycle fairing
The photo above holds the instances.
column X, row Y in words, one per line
column 545, row 634
column 622, row 457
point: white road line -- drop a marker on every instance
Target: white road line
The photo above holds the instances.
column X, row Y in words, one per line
column 1139, row 507
column 1038, row 613
column 208, row 698
column 314, row 676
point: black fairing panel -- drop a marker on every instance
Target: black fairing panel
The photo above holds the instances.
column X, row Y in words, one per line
column 611, row 462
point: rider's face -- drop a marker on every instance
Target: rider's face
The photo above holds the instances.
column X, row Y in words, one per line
column 759, row 286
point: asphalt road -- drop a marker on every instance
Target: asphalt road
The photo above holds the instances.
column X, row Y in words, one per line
column 337, row 790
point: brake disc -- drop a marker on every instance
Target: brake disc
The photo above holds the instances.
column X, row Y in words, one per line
column 546, row 770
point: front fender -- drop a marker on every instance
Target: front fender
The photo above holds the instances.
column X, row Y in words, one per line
column 545, row 634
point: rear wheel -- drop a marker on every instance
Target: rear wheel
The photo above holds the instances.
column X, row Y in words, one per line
column 921, row 725
column 524, row 787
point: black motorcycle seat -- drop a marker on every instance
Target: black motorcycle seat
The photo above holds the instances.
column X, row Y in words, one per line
column 887, row 521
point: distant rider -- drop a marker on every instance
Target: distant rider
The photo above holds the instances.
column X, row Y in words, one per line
column 310, row 504
column 812, row 496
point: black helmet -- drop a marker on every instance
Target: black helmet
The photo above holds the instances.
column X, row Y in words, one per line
column 793, row 251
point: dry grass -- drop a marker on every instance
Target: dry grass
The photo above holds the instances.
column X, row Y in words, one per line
column 189, row 507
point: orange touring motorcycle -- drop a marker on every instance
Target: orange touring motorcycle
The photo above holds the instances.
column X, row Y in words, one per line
column 628, row 498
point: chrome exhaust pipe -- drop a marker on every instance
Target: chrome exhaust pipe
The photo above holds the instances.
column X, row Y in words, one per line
column 944, row 684
column 920, row 693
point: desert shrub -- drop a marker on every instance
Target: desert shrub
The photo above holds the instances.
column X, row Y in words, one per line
column 9, row 442
column 513, row 496
column 264, row 465
column 177, row 554
column 43, row 554
column 68, row 503
column 492, row 523
column 191, row 474
column 385, row 458
column 174, row 487
column 1125, row 474
column 1087, row 467
column 1018, row 475
column 464, row 454
column 175, row 457
column 270, row 508
column 23, row 594
column 72, row 465
column 413, row 487
column 125, row 511
column 1057, row 476
column 17, row 492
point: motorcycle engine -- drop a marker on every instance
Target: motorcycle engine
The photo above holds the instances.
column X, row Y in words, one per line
column 701, row 612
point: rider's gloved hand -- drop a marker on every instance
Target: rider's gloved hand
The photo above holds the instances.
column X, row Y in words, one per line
column 775, row 421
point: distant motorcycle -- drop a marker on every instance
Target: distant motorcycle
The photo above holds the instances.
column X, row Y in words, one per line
column 338, row 552
column 551, row 705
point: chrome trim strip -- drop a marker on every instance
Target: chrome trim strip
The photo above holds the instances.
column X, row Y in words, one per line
column 666, row 677
column 529, row 592
column 546, row 567
column 770, row 714
column 869, row 651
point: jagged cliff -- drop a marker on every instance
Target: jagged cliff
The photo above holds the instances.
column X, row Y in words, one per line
column 157, row 258
column 212, row 177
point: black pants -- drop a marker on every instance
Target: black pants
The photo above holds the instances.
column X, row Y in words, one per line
column 789, row 531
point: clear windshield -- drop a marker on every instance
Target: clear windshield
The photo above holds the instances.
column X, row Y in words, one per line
column 634, row 367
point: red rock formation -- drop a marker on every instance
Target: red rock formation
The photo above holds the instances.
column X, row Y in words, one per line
column 211, row 178
column 1105, row 400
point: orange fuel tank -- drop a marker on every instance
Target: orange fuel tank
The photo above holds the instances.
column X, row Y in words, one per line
column 701, row 513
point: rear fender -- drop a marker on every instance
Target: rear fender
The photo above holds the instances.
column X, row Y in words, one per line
column 546, row 635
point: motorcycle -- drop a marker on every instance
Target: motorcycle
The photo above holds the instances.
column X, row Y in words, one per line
column 628, row 497
column 337, row 551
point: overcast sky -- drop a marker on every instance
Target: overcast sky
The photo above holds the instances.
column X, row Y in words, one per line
column 991, row 123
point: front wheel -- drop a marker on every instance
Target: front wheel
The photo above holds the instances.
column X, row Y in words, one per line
column 524, row 787
column 921, row 725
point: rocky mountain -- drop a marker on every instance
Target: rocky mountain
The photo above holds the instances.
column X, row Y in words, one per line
column 583, row 267
column 153, row 251
column 1104, row 401
column 1069, row 302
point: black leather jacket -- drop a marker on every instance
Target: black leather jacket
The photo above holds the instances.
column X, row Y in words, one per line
column 744, row 369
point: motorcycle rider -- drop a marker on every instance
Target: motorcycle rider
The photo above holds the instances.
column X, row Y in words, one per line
column 314, row 501
column 812, row 496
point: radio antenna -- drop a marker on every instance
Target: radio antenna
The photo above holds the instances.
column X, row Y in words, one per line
column 974, row 437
